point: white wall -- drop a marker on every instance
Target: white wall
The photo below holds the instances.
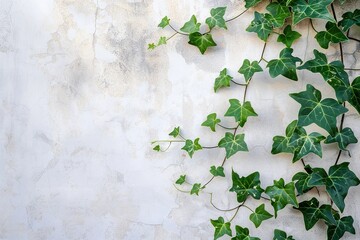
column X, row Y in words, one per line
column 81, row 99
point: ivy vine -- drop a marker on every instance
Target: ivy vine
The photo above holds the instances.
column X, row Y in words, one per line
column 280, row 18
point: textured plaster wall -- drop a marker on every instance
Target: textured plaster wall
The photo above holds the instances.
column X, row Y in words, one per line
column 81, row 99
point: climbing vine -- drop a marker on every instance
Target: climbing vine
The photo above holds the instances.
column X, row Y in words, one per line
column 327, row 114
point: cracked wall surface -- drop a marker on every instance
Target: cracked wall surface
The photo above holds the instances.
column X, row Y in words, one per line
column 81, row 98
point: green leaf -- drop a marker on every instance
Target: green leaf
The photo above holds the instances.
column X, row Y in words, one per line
column 314, row 110
column 181, row 179
column 343, row 138
column 282, row 144
column 353, row 93
column 246, row 186
column 223, row 80
column 233, row 144
column 312, row 213
column 217, row 18
column 196, row 189
column 349, row 19
column 249, row 69
column 288, row 37
column 337, row 182
column 191, row 146
column 279, row 13
column 281, row 195
column 202, row 41
column 151, row 46
column 305, row 144
column 302, row 179
column 285, row 65
column 164, row 22
column 261, row 25
column 332, row 34
column 345, row 224
column 221, row 227
column 311, row 9
column 162, row 41
column 157, row 148
column 175, row 132
column 281, row 235
column 243, row 234
column 191, row 26
column 251, row 3
column 260, row 215
column 217, row 171
column 240, row 112
column 211, row 121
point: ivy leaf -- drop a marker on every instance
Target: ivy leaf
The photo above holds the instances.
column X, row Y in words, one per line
column 260, row 215
column 157, row 148
column 311, row 9
column 281, row 195
column 281, row 235
column 353, row 93
column 243, row 234
column 349, row 19
column 302, row 179
column 260, row 25
column 282, row 144
column 211, row 121
column 202, row 41
column 313, row 213
column 279, row 13
column 181, row 179
column 196, row 189
column 162, row 41
column 337, row 182
column 151, row 46
column 191, row 146
column 314, row 110
column 164, row 22
column 240, row 112
column 251, row 3
column 343, row 138
column 217, row 18
column 332, row 34
column 191, row 26
column 285, row 65
column 345, row 224
column 233, row 144
column 245, row 186
column 217, row 171
column 289, row 36
column 305, row 144
column 175, row 132
column 221, row 228
column 249, row 69
column 223, row 80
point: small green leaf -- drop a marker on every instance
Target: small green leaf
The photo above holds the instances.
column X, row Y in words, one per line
column 243, row 234
column 217, row 171
column 281, row 235
column 343, row 138
column 221, row 227
column 249, row 69
column 303, row 9
column 217, row 18
column 164, row 22
column 345, row 224
column 175, row 132
column 260, row 215
column 151, row 46
column 305, row 144
column 202, row 41
column 246, row 186
column 282, row 144
column 211, row 121
column 233, row 144
column 181, row 179
column 278, row 14
column 332, row 34
column 281, row 195
column 349, row 19
column 196, row 189
column 157, row 148
column 240, row 112
column 289, row 36
column 251, row 3
column 191, row 26
column 223, row 80
column 191, row 146
column 285, row 65
column 162, row 41
column 302, row 179
column 261, row 25
column 353, row 93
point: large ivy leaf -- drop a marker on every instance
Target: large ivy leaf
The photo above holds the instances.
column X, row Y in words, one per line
column 261, row 25
column 303, row 9
column 233, row 144
column 281, row 235
column 192, row 146
column 312, row 213
column 202, row 41
column 337, row 182
column 164, row 22
column 249, row 69
column 314, row 110
column 343, row 138
column 302, row 180
column 332, row 34
column 223, row 80
column 240, row 112
column 278, row 14
column 243, row 234
column 289, row 36
column 246, row 186
column 260, row 215
column 345, row 224
column 281, row 195
column 251, row 3
column 349, row 19
column 353, row 94
column 191, row 26
column 221, row 227
column 285, row 65
column 217, row 171
column 211, row 121
column 217, row 18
